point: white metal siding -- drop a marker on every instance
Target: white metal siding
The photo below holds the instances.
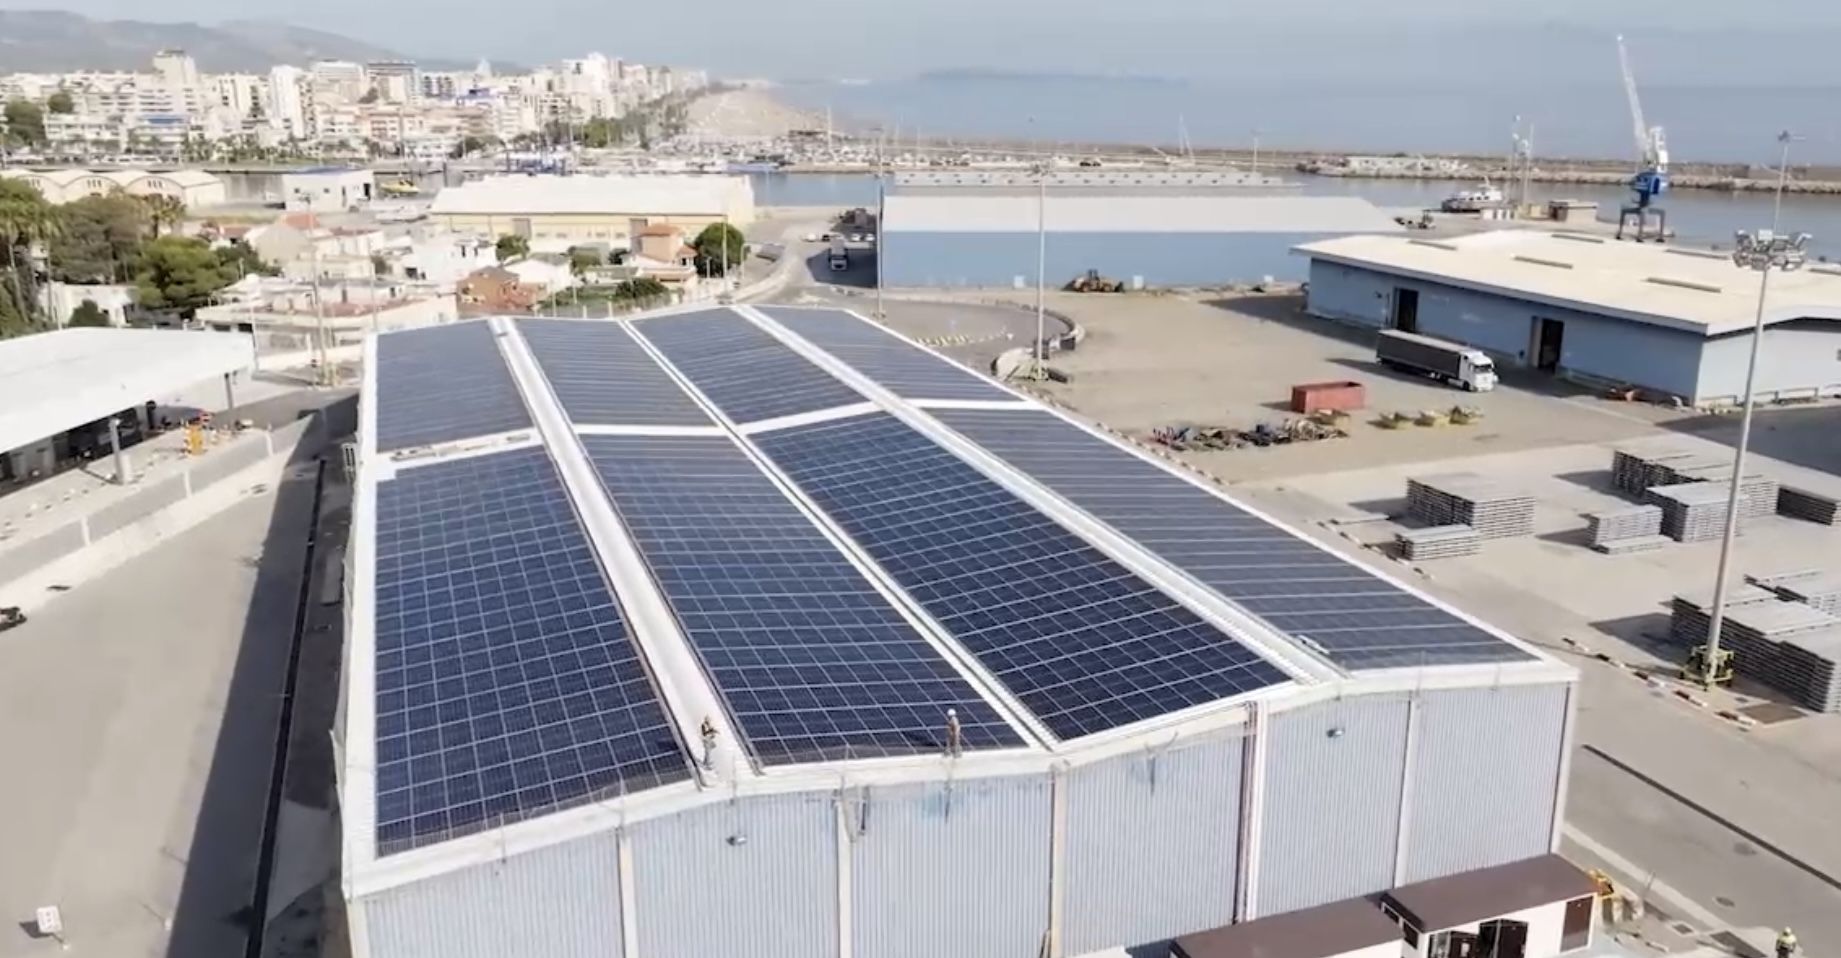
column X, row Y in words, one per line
column 1486, row 763
column 755, row 877
column 1332, row 803
column 556, row 902
column 959, row 869
column 1152, row 844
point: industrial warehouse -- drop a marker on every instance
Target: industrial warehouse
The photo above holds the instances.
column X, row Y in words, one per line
column 763, row 631
column 1144, row 229
column 1670, row 320
column 554, row 212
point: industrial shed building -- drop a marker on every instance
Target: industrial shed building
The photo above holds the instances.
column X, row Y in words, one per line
column 1198, row 235
column 555, row 212
column 764, row 631
column 1669, row 319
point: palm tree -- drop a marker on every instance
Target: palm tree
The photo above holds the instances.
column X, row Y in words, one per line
column 162, row 210
column 25, row 219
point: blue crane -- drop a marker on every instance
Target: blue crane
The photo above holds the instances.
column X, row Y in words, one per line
column 1651, row 180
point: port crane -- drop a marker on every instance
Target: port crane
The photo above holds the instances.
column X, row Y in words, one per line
column 1651, row 181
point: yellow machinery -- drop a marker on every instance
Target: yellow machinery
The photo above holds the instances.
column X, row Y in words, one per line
column 1696, row 666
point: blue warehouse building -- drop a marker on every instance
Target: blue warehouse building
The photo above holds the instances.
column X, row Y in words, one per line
column 764, row 631
column 1177, row 231
column 1672, row 320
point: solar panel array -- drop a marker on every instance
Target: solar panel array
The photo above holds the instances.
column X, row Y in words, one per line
column 507, row 685
column 442, row 384
column 1083, row 642
column 603, row 377
column 905, row 369
column 812, row 662
column 1357, row 619
column 742, row 368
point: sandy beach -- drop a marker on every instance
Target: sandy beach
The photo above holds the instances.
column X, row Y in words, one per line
column 747, row 112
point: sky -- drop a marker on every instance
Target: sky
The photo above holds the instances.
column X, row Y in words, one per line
column 1760, row 42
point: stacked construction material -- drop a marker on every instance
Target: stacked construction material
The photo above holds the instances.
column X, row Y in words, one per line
column 1619, row 525
column 1690, row 613
column 1692, row 511
column 1618, row 547
column 1812, row 587
column 1637, row 467
column 1438, row 542
column 1790, row 647
column 1493, row 509
column 1804, row 504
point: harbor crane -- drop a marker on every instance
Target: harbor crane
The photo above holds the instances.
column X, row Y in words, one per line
column 1651, row 181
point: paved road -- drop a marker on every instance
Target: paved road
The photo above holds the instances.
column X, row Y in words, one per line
column 138, row 716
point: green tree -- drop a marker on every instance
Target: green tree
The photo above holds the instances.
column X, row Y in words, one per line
column 582, row 259
column 719, row 247
column 61, row 103
column 511, row 246
column 162, row 210
column 25, row 219
column 370, row 96
column 242, row 260
column 88, row 313
column 470, row 145
column 25, row 123
column 97, row 239
column 642, row 289
column 180, row 273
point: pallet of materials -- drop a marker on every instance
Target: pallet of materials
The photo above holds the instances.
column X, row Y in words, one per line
column 1626, row 546
column 1438, row 542
column 1689, row 614
column 1810, row 506
column 1692, row 511
column 1812, row 587
column 1790, row 647
column 1630, row 522
column 1635, row 468
column 1494, row 509
column 1640, row 468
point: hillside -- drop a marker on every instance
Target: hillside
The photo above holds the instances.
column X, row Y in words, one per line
column 49, row 41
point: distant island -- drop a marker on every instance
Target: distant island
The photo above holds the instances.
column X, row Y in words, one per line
column 978, row 74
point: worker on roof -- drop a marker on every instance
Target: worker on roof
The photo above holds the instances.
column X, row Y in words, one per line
column 1786, row 944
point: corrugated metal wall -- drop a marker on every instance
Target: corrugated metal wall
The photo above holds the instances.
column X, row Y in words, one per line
column 1798, row 358
column 1332, row 801
column 756, row 877
column 1162, row 259
column 1485, row 767
column 1152, row 844
column 557, row 902
column 956, row 870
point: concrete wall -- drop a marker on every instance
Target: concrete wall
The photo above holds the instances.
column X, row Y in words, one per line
column 1332, row 806
column 1799, row 359
column 1161, row 259
column 1594, row 346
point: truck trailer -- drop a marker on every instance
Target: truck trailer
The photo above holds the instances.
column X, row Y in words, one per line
column 1454, row 363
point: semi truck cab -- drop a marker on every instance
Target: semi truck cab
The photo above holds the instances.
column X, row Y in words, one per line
column 1455, row 363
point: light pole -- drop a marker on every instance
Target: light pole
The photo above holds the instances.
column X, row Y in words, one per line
column 1041, row 264
column 1761, row 251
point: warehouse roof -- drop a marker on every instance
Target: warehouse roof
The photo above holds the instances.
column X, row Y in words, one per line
column 1103, row 212
column 1102, row 179
column 583, row 540
column 641, row 195
column 55, row 381
column 1693, row 290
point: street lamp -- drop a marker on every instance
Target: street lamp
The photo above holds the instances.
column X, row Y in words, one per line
column 1763, row 251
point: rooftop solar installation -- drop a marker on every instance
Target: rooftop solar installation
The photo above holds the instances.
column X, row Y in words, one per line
column 603, row 377
column 742, row 368
column 812, row 662
column 1082, row 641
column 1353, row 617
column 442, row 384
column 905, row 369
column 507, row 684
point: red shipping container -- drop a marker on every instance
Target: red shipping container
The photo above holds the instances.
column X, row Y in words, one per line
column 1343, row 396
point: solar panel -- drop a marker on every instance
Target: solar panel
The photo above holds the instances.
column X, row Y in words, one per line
column 1082, row 641
column 507, row 685
column 813, row 662
column 905, row 369
column 603, row 377
column 1357, row 619
column 442, row 384
column 742, row 368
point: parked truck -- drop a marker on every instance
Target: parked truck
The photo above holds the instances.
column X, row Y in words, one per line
column 840, row 255
column 1454, row 363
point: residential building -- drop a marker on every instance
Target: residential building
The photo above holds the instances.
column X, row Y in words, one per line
column 194, row 188
column 287, row 107
column 337, row 81
column 326, row 188
column 494, row 290
column 394, row 80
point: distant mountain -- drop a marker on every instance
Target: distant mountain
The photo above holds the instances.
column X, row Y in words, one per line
column 50, row 41
column 982, row 74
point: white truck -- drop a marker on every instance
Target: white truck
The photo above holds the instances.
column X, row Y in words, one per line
column 840, row 255
column 1454, row 363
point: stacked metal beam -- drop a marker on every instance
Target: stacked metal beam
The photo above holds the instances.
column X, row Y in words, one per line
column 1438, row 542
column 1812, row 587
column 1618, row 547
column 1494, row 509
column 1693, row 511
column 1691, row 612
column 1812, row 506
column 1617, row 525
column 1790, row 647
column 1637, row 469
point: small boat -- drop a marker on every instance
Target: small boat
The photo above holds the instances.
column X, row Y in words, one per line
column 400, row 188
column 1473, row 200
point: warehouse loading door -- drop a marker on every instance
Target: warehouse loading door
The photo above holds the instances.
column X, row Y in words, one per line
column 1406, row 310
column 1548, row 335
